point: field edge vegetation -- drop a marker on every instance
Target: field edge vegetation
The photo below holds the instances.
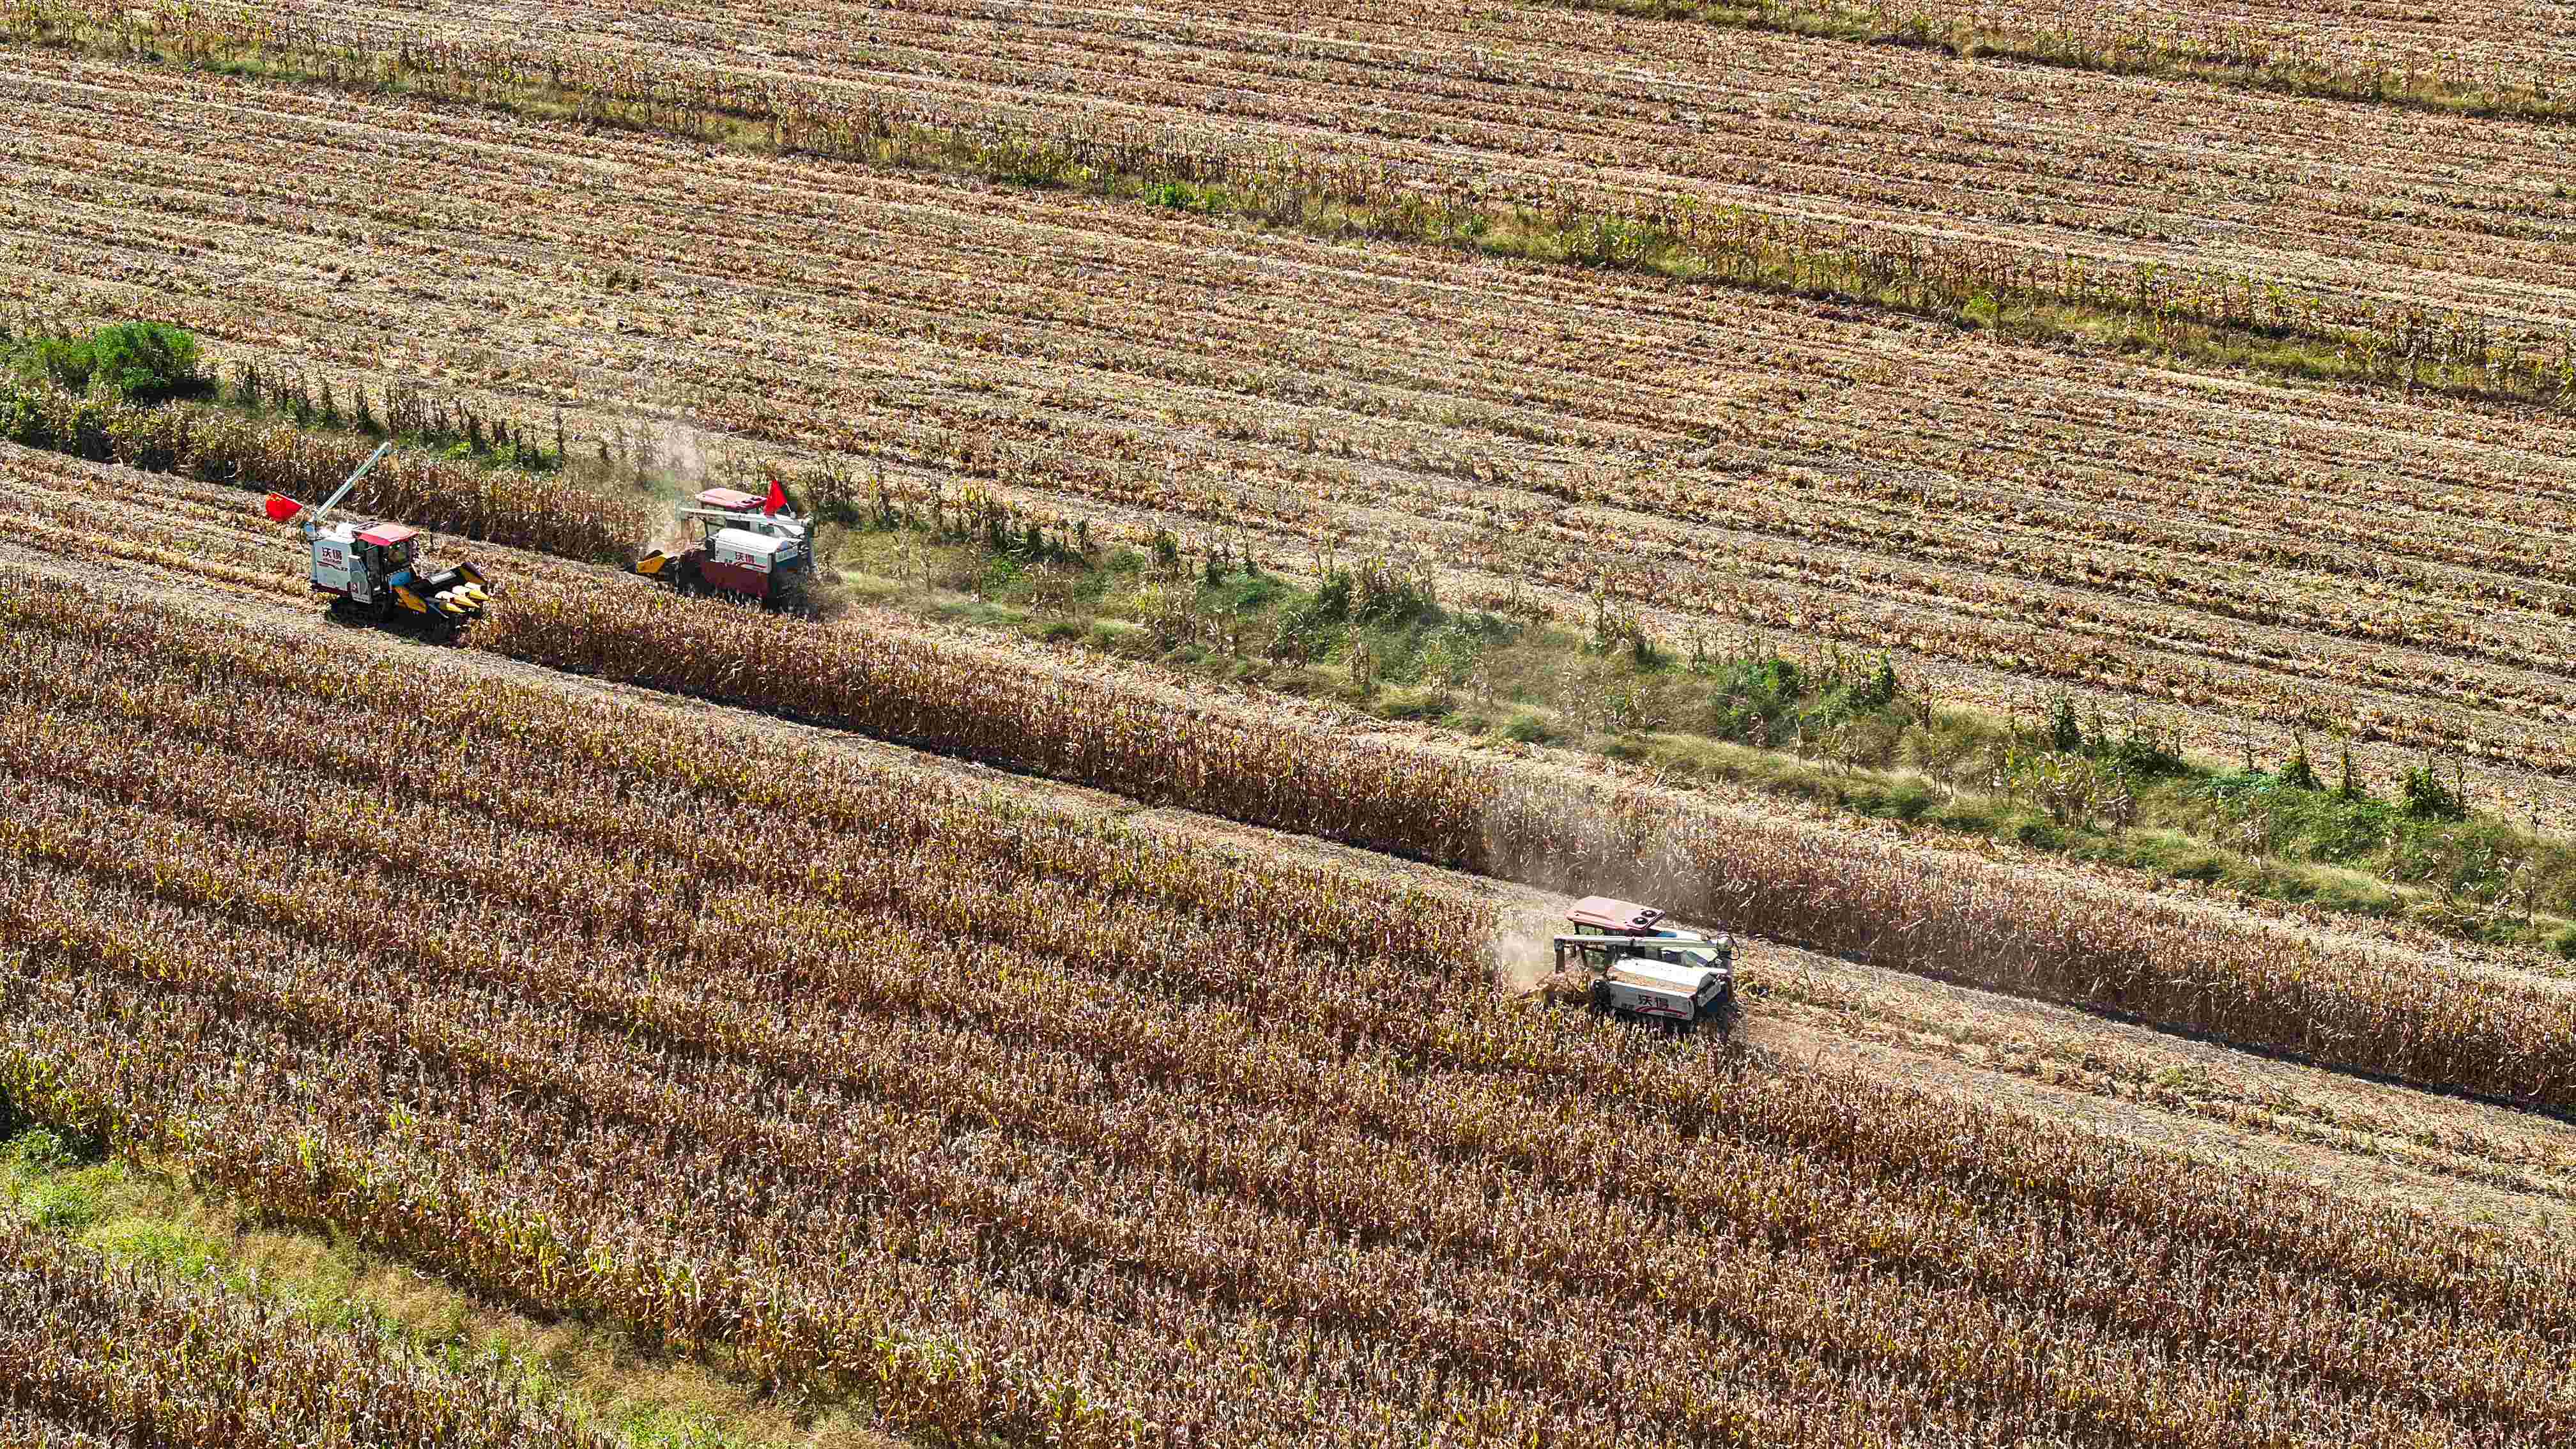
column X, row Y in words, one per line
column 1820, row 726
column 128, row 1210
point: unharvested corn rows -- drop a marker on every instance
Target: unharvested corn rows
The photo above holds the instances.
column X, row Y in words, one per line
column 1995, row 924
column 501, row 506
column 851, row 1079
column 94, row 1351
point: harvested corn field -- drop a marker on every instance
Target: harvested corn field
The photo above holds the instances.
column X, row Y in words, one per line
column 1041, row 1038
column 2002, row 520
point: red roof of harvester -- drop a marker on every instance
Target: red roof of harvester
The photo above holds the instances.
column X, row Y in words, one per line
column 729, row 500
column 386, row 535
column 1613, row 915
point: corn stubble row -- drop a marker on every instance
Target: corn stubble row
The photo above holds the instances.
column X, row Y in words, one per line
column 95, row 1352
column 1043, row 1128
column 1996, row 924
column 997, row 136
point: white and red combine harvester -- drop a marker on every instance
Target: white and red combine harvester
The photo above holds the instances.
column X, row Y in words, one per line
column 369, row 570
column 748, row 548
column 1624, row 962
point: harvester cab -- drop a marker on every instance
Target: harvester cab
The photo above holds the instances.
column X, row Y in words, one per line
column 747, row 548
column 1625, row 963
column 370, row 569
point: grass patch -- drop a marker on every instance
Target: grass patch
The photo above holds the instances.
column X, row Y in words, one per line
column 1833, row 731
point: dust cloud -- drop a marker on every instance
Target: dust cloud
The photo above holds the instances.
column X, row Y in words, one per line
column 666, row 461
column 1523, row 952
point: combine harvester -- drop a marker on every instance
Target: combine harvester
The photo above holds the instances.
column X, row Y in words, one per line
column 753, row 549
column 369, row 571
column 1622, row 963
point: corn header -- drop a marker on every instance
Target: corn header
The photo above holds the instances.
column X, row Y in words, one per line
column 1621, row 961
column 370, row 569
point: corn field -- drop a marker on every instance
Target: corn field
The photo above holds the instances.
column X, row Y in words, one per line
column 1028, row 1116
column 2244, row 560
column 1897, row 903
column 508, row 507
column 1893, row 902
column 1022, row 1125
column 94, row 1352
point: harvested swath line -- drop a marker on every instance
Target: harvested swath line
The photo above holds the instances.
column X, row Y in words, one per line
column 2314, row 55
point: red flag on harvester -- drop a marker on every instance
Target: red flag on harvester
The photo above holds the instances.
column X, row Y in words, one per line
column 281, row 508
column 776, row 500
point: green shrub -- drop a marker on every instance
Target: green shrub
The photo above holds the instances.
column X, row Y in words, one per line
column 138, row 361
column 2298, row 773
column 2429, row 797
column 2065, row 731
column 1880, row 689
column 22, row 421
column 39, row 1149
